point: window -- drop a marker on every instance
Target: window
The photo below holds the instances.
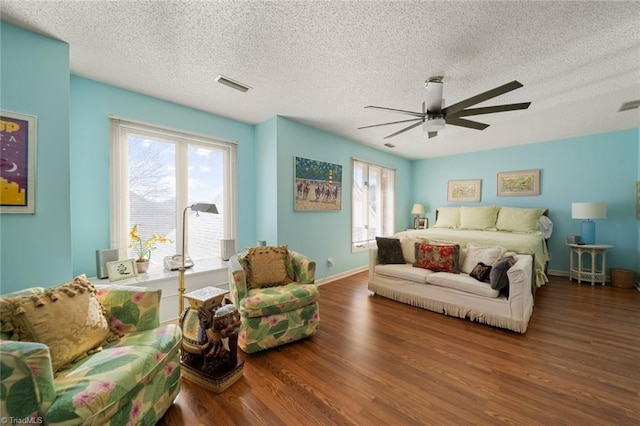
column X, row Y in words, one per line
column 373, row 205
column 155, row 174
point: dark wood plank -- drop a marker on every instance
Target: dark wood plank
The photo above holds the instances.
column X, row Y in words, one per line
column 377, row 361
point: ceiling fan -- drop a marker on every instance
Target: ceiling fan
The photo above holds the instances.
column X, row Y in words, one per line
column 434, row 115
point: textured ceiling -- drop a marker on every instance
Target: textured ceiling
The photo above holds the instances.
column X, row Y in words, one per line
column 322, row 62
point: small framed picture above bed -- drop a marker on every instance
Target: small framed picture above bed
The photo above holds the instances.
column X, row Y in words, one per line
column 520, row 183
column 464, row 190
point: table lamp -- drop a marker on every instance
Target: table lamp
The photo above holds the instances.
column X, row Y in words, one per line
column 200, row 207
column 588, row 211
column 418, row 210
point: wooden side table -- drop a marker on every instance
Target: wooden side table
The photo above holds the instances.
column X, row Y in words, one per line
column 597, row 272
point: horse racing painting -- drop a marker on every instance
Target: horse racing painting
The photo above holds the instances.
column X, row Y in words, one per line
column 318, row 186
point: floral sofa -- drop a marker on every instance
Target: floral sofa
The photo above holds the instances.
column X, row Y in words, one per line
column 274, row 291
column 132, row 378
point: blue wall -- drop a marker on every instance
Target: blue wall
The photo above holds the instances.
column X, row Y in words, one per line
column 92, row 103
column 36, row 249
column 266, row 155
column 72, row 202
column 602, row 167
column 328, row 234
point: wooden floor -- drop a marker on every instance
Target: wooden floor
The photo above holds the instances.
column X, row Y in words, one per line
column 376, row 361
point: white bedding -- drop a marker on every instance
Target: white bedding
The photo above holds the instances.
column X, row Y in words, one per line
column 533, row 244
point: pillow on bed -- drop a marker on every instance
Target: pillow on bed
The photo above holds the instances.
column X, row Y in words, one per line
column 389, row 251
column 448, row 217
column 485, row 254
column 481, row 218
column 513, row 219
column 438, row 258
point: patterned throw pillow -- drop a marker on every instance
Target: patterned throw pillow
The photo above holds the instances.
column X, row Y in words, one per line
column 389, row 251
column 267, row 266
column 438, row 258
column 481, row 272
column 68, row 318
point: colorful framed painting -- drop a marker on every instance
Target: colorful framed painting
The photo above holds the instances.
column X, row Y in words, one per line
column 638, row 200
column 122, row 269
column 317, row 185
column 520, row 183
column 464, row 190
column 18, row 163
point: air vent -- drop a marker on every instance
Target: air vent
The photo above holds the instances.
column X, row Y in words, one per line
column 232, row 83
column 389, row 145
column 629, row 105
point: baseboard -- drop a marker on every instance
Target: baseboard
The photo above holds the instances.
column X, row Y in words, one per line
column 341, row 275
column 557, row 273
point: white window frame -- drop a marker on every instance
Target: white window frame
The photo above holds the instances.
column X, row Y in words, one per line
column 119, row 160
column 357, row 246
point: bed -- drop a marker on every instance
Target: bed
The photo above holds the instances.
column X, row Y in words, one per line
column 519, row 230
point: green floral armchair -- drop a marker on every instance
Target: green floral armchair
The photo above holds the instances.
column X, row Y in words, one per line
column 277, row 315
column 131, row 380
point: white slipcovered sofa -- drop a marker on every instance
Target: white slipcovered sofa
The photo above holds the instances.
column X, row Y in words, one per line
column 458, row 294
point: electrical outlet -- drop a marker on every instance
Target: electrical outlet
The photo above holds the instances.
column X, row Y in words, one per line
column 330, row 262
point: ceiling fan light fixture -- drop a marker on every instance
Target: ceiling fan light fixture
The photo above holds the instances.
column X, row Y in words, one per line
column 433, row 124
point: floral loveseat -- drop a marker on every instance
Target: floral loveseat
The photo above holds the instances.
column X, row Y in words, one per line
column 131, row 379
column 275, row 293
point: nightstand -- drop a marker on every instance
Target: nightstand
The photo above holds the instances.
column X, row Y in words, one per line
column 597, row 272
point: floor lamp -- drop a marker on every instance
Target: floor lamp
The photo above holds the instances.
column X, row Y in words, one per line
column 200, row 207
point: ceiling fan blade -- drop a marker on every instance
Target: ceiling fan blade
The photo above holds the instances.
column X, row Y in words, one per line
column 466, row 123
column 490, row 110
column 452, row 109
column 401, row 111
column 386, row 124
column 433, row 134
column 404, row 130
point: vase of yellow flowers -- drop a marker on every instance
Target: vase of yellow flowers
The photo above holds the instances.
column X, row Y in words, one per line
column 144, row 248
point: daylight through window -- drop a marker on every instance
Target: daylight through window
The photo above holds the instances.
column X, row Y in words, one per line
column 156, row 173
column 373, row 195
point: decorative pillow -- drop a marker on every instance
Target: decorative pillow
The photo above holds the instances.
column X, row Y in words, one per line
column 389, row 251
column 267, row 266
column 476, row 254
column 498, row 275
column 448, row 217
column 481, row 272
column 409, row 247
column 438, row 258
column 481, row 218
column 67, row 318
column 546, row 226
column 513, row 219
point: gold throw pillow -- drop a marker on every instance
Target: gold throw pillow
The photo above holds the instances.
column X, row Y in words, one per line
column 267, row 266
column 68, row 318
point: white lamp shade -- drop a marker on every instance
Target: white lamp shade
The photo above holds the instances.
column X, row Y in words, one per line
column 588, row 210
column 417, row 209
